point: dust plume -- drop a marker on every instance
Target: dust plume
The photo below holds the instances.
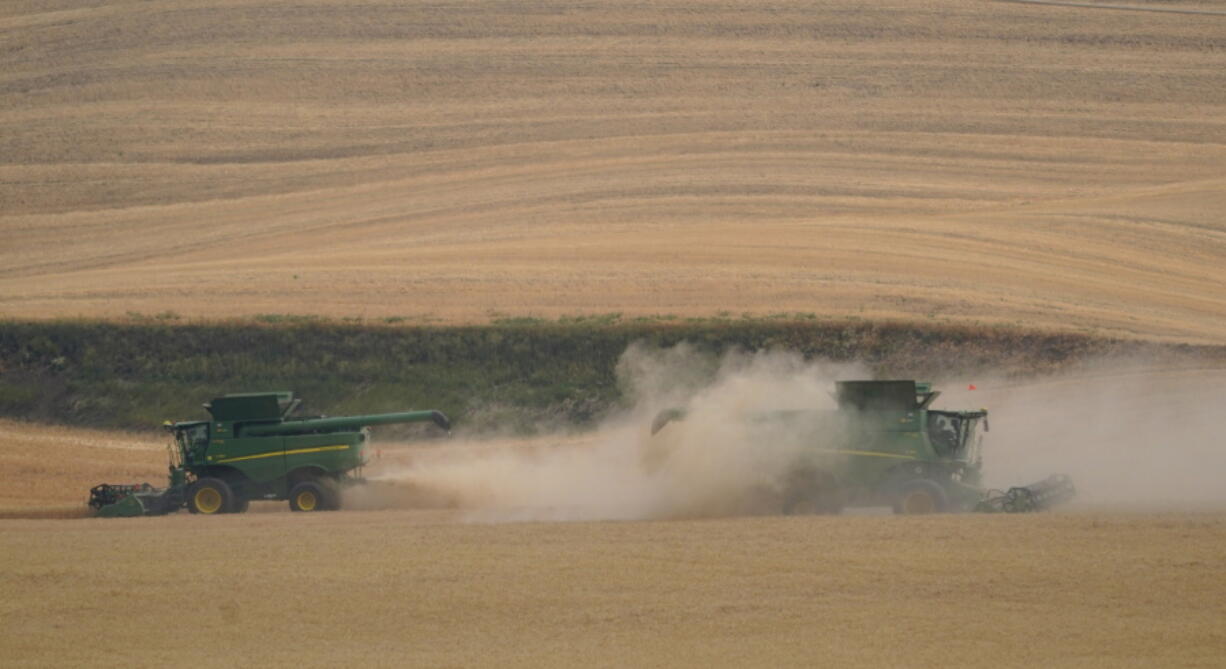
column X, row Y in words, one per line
column 1132, row 439
column 717, row 462
column 1131, row 435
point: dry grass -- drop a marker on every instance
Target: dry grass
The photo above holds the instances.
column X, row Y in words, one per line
column 50, row 469
column 397, row 588
column 941, row 160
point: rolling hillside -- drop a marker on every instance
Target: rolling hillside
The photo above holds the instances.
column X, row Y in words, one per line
column 962, row 161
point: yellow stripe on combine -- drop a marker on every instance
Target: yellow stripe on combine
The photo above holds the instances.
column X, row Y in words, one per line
column 296, row 451
column 876, row 454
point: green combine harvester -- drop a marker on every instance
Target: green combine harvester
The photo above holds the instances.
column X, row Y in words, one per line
column 253, row 448
column 886, row 446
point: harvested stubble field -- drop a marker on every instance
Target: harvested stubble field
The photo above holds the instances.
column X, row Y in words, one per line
column 936, row 160
column 401, row 588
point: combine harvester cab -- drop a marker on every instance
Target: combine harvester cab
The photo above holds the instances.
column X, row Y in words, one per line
column 886, row 446
column 253, row 448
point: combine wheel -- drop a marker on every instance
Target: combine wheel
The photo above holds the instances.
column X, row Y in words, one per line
column 312, row 496
column 210, row 496
column 240, row 504
column 920, row 496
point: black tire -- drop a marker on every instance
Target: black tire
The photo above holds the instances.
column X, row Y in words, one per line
column 210, row 496
column 240, row 504
column 812, row 492
column 312, row 496
column 919, row 497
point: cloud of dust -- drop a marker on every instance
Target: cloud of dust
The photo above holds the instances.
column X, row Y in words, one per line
column 715, row 462
column 1131, row 438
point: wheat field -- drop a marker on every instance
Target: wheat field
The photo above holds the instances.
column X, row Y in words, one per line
column 960, row 161
column 414, row 588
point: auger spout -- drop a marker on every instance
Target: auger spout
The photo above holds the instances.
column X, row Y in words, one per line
column 308, row 425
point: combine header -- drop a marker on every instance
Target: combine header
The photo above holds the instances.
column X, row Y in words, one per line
column 886, row 445
column 1053, row 490
column 254, row 449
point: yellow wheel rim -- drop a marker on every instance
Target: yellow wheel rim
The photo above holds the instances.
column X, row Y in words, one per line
column 307, row 501
column 919, row 502
column 208, row 500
